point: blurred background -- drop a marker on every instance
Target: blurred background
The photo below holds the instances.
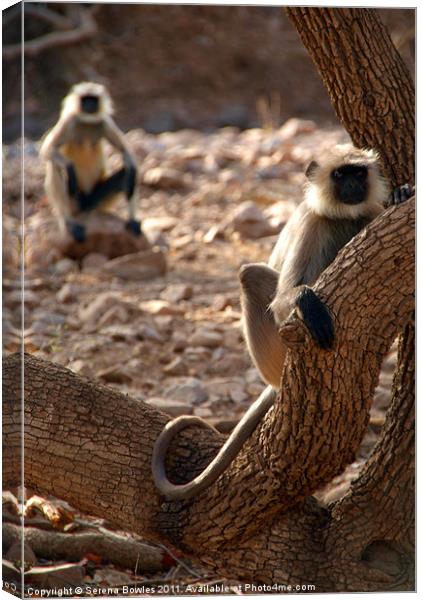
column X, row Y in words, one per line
column 170, row 67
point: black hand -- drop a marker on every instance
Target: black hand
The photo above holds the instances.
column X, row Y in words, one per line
column 400, row 194
column 316, row 318
column 72, row 182
column 77, row 231
column 134, row 227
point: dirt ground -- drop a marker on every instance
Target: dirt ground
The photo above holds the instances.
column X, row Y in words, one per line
column 211, row 202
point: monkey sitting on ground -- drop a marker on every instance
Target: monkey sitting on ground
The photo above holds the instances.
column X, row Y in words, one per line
column 76, row 180
column 345, row 191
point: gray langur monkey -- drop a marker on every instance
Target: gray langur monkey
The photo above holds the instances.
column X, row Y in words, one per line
column 76, row 178
column 345, row 191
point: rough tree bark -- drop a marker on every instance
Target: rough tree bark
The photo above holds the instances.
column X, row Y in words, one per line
column 368, row 83
column 258, row 522
column 373, row 95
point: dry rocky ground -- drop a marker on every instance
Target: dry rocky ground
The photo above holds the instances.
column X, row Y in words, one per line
column 209, row 203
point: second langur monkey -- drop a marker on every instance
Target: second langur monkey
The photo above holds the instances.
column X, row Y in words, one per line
column 76, row 178
column 345, row 191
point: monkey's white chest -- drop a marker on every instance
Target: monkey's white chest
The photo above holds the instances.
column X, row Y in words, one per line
column 87, row 158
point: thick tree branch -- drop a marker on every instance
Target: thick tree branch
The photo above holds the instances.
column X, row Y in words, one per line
column 54, row 545
column 386, row 545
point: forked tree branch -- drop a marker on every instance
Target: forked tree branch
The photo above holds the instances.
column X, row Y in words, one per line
column 86, row 29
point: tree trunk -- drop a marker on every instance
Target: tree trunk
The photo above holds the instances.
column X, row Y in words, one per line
column 368, row 83
column 257, row 522
column 373, row 94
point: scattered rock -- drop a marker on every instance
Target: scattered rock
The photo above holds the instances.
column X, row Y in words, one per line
column 176, row 367
column 214, row 232
column 156, row 238
column 238, row 395
column 115, row 314
column 147, row 332
column 250, row 222
column 227, row 388
column 218, row 353
column 202, row 411
column 159, row 223
column 165, row 178
column 68, row 293
column 278, row 214
column 65, row 266
column 115, row 374
column 199, row 354
column 81, row 367
column 169, row 406
column 160, row 308
column 233, row 338
column 179, row 341
column 252, row 375
column 138, row 266
column 207, row 338
column 231, row 363
column 221, row 301
column 176, row 292
column 96, row 308
column 189, row 390
column 93, row 261
column 120, row 333
column 183, row 241
column 45, row 323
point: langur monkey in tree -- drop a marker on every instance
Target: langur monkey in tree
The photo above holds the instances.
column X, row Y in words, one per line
column 345, row 191
column 76, row 178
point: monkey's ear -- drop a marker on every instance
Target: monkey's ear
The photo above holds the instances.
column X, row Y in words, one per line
column 311, row 169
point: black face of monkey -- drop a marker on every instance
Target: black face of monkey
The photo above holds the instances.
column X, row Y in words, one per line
column 90, row 104
column 350, row 183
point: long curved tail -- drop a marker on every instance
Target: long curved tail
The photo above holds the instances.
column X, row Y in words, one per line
column 219, row 464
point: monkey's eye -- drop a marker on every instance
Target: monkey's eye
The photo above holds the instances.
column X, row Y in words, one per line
column 337, row 174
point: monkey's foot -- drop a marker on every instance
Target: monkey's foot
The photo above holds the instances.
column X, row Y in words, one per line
column 134, row 227
column 316, row 318
column 77, row 231
column 400, row 194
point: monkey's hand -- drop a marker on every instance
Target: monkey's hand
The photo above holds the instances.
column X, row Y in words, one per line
column 72, row 182
column 399, row 195
column 77, row 231
column 134, row 227
column 316, row 317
